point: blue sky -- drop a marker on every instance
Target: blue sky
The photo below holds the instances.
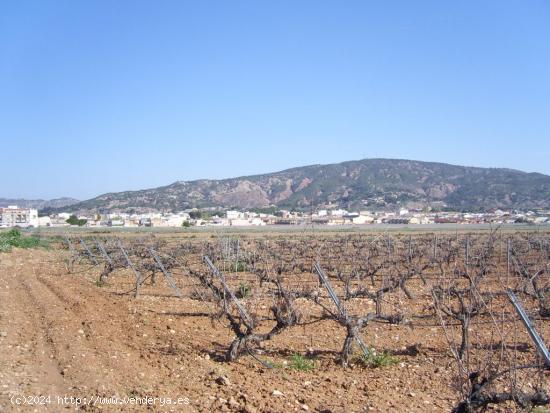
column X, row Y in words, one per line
column 104, row 96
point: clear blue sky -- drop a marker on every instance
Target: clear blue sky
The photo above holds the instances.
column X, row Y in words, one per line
column 100, row 96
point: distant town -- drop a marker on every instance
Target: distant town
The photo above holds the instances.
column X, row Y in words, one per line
column 13, row 216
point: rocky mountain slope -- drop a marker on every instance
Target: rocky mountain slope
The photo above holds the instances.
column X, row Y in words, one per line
column 38, row 203
column 368, row 183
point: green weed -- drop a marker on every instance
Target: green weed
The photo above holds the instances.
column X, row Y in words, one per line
column 376, row 359
column 239, row 266
column 301, row 363
column 243, row 291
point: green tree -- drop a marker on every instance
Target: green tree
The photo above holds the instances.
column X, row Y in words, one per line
column 73, row 220
column 195, row 214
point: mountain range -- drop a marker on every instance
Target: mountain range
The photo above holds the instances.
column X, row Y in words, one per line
column 362, row 184
column 38, row 203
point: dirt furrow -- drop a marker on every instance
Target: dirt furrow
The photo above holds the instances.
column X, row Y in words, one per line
column 29, row 366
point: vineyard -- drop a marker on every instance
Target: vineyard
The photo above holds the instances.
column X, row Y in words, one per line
column 483, row 298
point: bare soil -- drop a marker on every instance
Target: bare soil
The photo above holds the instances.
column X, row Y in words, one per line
column 63, row 335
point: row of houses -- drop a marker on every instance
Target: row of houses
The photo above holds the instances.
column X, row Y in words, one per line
column 418, row 217
column 13, row 216
column 124, row 220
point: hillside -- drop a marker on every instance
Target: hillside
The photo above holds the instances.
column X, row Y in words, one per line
column 38, row 203
column 368, row 183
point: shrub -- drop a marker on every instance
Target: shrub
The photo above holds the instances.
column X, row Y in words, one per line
column 13, row 239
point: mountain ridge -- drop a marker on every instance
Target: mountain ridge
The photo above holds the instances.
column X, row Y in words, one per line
column 38, row 203
column 366, row 183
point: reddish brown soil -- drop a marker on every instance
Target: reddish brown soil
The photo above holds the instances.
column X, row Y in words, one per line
column 62, row 335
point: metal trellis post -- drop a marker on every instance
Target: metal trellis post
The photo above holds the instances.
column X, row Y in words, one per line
column 339, row 306
column 89, row 252
column 166, row 273
column 539, row 344
column 244, row 315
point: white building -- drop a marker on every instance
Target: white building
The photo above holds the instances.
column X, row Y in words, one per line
column 44, row 221
column 338, row 212
column 256, row 221
column 174, row 220
column 234, row 215
column 13, row 216
column 363, row 219
column 246, row 222
column 221, row 222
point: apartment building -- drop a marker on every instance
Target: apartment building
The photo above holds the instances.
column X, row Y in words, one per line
column 13, row 216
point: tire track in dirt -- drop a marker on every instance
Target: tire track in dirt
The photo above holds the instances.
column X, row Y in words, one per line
column 57, row 355
column 115, row 362
column 27, row 360
column 40, row 326
column 79, row 361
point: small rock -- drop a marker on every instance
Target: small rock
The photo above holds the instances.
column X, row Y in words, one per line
column 305, row 407
column 223, row 381
column 307, row 383
column 412, row 394
column 233, row 403
column 3, row 334
column 249, row 409
column 277, row 393
column 80, row 331
column 207, row 357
